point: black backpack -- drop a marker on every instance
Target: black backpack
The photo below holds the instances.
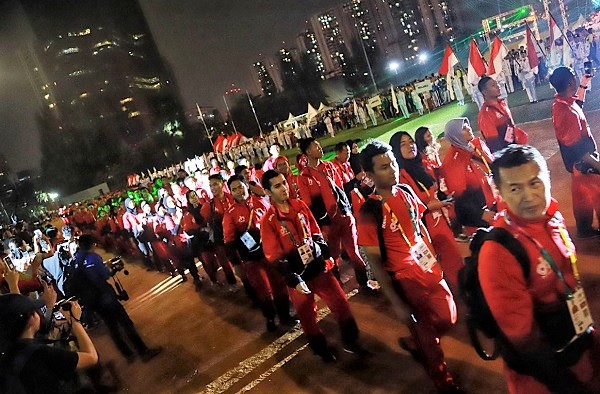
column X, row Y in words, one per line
column 77, row 284
column 479, row 316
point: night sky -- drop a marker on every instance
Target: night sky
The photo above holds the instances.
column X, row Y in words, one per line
column 209, row 44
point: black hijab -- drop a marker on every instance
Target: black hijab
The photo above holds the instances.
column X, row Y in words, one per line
column 414, row 167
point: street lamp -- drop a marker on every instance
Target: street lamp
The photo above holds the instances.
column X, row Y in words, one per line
column 394, row 66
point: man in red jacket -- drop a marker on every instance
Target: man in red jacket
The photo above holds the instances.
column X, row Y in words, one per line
column 544, row 317
column 321, row 187
column 577, row 148
column 241, row 232
column 292, row 239
column 399, row 252
column 495, row 119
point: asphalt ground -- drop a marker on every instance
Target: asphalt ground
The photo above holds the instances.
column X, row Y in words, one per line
column 215, row 342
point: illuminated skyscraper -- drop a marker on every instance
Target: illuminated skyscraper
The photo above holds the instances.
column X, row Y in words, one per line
column 266, row 85
column 96, row 61
column 333, row 33
column 307, row 44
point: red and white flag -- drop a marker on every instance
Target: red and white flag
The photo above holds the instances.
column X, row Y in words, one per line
column 448, row 62
column 531, row 52
column 557, row 56
column 476, row 67
column 497, row 55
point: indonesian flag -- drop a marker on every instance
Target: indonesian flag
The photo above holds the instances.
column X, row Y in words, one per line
column 558, row 57
column 476, row 67
column 497, row 55
column 394, row 99
column 448, row 62
column 555, row 31
column 531, row 52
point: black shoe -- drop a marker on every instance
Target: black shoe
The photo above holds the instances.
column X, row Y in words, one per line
column 150, row 353
column 327, row 355
column 289, row 321
column 271, row 326
column 357, row 350
column 198, row 285
column 184, row 278
column 446, row 384
column 591, row 233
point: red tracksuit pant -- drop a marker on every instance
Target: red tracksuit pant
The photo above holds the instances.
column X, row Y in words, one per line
column 445, row 247
column 585, row 189
column 329, row 290
column 341, row 233
column 435, row 313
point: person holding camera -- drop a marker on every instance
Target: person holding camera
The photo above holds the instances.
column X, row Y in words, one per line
column 25, row 362
column 101, row 298
column 577, row 147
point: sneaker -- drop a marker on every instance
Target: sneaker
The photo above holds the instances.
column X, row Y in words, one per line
column 150, row 353
column 463, row 238
column 357, row 350
column 328, row 355
column 271, row 326
column 289, row 321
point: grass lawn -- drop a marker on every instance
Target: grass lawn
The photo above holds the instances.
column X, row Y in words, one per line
column 522, row 111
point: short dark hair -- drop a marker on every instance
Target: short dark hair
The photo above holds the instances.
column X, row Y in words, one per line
column 305, row 143
column 340, row 146
column 483, row 82
column 238, row 170
column 216, row 177
column 234, row 178
column 275, row 144
column 86, row 242
column 560, row 78
column 266, row 179
column 371, row 150
column 515, row 156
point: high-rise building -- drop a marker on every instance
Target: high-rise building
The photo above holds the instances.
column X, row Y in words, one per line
column 333, row 33
column 307, row 44
column 265, row 83
column 96, row 61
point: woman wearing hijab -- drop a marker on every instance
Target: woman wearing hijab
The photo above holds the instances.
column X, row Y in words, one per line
column 414, row 174
column 467, row 174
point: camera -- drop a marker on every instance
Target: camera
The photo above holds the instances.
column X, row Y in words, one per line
column 589, row 69
column 115, row 265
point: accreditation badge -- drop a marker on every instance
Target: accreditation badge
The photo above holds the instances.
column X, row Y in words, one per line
column 580, row 311
column 424, row 257
column 248, row 241
column 510, row 134
column 306, row 254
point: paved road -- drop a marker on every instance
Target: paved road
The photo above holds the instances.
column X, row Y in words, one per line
column 215, row 342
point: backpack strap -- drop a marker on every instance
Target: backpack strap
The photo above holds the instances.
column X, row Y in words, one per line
column 374, row 208
column 513, row 246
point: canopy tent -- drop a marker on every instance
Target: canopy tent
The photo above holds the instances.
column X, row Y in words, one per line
column 323, row 108
column 580, row 22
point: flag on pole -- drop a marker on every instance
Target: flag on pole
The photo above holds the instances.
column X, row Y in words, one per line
column 531, row 52
column 558, row 57
column 448, row 62
column 497, row 55
column 476, row 67
column 394, row 99
column 355, row 108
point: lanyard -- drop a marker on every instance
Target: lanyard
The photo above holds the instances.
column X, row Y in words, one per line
column 487, row 166
column 424, row 188
column 395, row 218
column 289, row 232
column 546, row 255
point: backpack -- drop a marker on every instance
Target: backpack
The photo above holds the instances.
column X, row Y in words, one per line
column 479, row 316
column 77, row 284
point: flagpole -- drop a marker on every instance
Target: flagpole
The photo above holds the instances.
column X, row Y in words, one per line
column 204, row 123
column 254, row 112
column 229, row 113
column 533, row 38
column 561, row 31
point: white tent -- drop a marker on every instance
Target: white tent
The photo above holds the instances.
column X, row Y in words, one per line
column 323, row 108
column 580, row 22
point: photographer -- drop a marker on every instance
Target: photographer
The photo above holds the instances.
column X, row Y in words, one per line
column 38, row 368
column 102, row 299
